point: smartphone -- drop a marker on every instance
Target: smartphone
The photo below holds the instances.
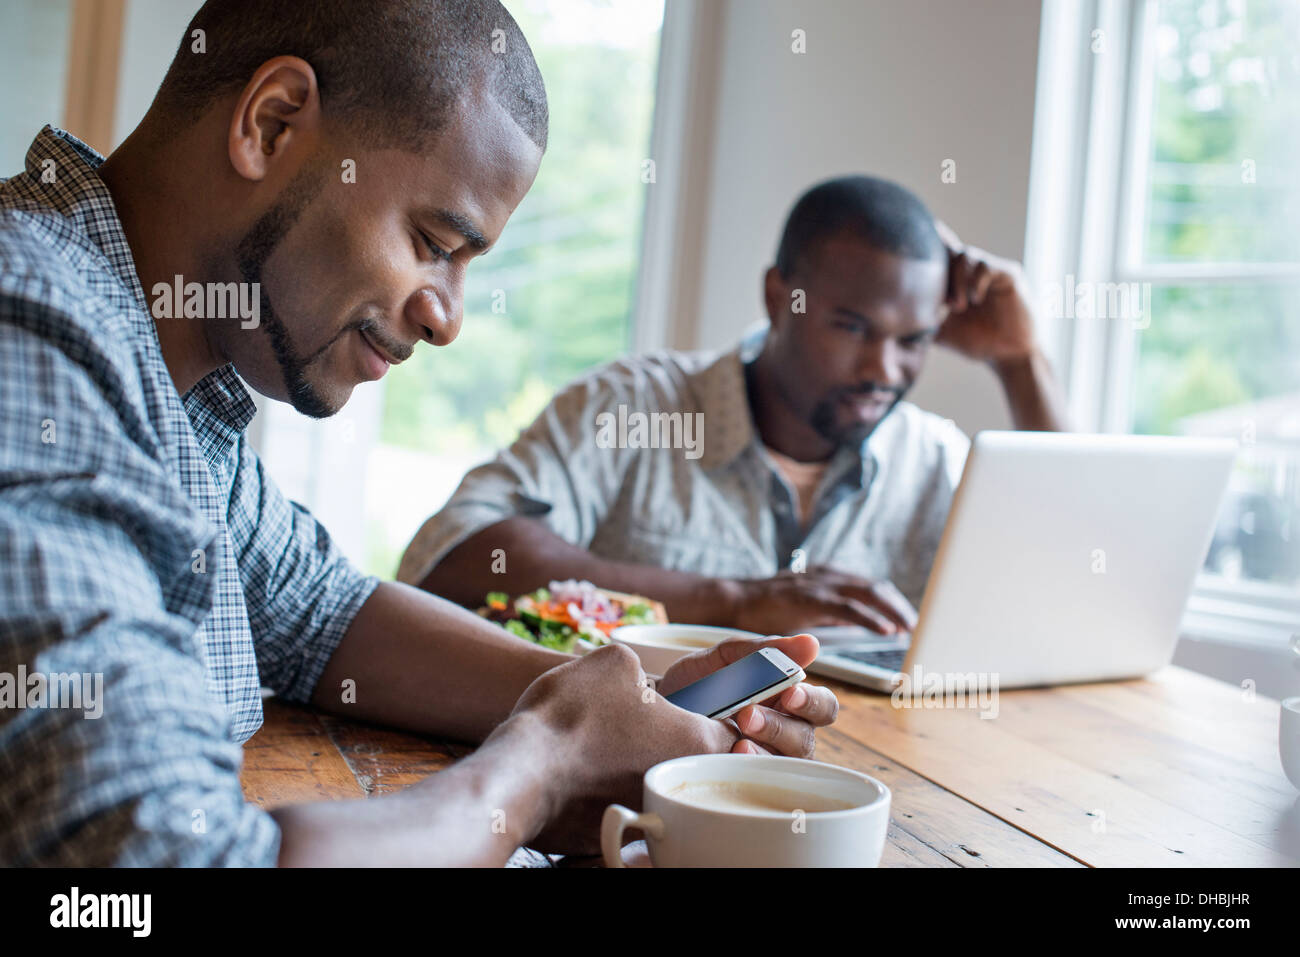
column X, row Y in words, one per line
column 754, row 678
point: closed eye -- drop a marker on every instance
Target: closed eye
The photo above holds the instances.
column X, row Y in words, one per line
column 436, row 251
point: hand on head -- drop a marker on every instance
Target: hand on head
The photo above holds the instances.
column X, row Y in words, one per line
column 990, row 316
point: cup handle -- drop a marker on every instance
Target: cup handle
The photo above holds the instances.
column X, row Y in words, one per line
column 618, row 819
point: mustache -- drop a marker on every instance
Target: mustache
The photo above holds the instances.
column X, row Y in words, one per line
column 375, row 331
column 870, row 388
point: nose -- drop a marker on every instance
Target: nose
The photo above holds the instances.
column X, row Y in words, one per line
column 436, row 318
column 881, row 362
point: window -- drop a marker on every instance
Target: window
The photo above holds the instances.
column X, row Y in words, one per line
column 554, row 298
column 1187, row 196
column 1214, row 232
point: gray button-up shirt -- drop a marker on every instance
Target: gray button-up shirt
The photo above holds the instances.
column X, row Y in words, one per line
column 142, row 546
column 714, row 504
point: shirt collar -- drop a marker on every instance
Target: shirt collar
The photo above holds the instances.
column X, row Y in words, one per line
column 67, row 172
column 729, row 425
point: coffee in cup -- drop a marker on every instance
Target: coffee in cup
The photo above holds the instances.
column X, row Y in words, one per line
column 749, row 796
column 738, row 810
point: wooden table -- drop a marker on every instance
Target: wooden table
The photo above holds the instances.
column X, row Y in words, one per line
column 1175, row 770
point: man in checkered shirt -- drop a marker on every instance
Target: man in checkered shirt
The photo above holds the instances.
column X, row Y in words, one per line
column 143, row 547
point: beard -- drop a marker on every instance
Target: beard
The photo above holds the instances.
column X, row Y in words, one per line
column 825, row 417
column 254, row 249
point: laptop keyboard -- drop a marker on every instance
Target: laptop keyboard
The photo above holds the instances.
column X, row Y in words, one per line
column 889, row 658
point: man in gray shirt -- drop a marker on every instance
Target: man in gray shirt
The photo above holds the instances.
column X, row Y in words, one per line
column 779, row 486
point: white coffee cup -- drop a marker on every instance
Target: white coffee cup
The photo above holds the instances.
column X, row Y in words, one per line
column 685, row 833
column 1288, row 739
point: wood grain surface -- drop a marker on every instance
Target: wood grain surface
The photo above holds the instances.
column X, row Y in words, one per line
column 1177, row 769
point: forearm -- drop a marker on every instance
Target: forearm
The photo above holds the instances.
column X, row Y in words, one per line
column 415, row 661
column 535, row 556
column 473, row 814
column 1033, row 394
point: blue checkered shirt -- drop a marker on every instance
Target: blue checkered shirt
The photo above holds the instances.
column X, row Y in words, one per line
column 140, row 540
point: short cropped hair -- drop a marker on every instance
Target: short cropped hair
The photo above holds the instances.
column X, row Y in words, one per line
column 395, row 69
column 880, row 213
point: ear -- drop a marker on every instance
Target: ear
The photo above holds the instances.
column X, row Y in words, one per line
column 776, row 297
column 277, row 111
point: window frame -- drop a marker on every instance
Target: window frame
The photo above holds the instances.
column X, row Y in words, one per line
column 1091, row 139
column 670, row 269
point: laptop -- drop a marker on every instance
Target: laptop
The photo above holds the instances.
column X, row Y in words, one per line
column 1065, row 558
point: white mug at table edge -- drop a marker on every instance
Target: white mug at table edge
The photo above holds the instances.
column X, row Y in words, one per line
column 1288, row 739
column 680, row 833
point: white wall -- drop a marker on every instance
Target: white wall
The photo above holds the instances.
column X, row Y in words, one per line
column 886, row 87
column 33, row 74
column 151, row 32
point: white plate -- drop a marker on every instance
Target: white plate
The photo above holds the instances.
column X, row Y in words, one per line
column 658, row 646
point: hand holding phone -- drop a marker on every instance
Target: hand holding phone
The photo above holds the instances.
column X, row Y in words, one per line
column 756, row 677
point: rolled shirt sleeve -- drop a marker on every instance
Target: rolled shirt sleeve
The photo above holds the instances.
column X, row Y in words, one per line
column 300, row 591
column 556, row 472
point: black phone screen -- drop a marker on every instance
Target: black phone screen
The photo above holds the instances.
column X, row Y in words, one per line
column 717, row 692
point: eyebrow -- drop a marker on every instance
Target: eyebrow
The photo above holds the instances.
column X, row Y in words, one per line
column 463, row 225
column 842, row 310
column 870, row 324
